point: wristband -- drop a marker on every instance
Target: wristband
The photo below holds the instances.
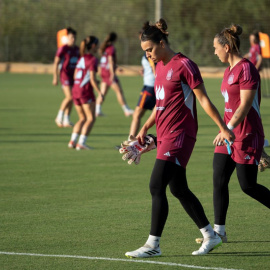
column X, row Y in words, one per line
column 230, row 127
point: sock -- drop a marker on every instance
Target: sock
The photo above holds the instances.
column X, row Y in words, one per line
column 82, row 139
column 207, row 231
column 66, row 118
column 153, row 241
column 220, row 229
column 74, row 137
column 125, row 108
column 60, row 115
column 98, row 108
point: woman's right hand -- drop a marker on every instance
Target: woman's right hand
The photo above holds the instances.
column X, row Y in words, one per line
column 141, row 135
column 55, row 81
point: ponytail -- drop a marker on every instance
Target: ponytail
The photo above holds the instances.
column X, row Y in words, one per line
column 108, row 41
column 87, row 43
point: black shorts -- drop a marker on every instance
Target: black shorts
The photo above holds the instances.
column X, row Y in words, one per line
column 147, row 98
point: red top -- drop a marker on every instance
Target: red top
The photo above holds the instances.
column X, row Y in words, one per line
column 175, row 100
column 104, row 61
column 254, row 51
column 82, row 85
column 243, row 76
column 69, row 57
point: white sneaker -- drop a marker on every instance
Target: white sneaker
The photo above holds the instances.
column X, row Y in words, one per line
column 129, row 112
column 99, row 114
column 72, row 144
column 208, row 245
column 67, row 124
column 144, row 252
column 83, row 147
column 223, row 238
column 58, row 122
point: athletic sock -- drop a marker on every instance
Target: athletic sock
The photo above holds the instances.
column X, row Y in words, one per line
column 74, row 137
column 66, row 118
column 153, row 241
column 207, row 231
column 60, row 115
column 220, row 229
column 82, row 139
column 98, row 108
column 125, row 108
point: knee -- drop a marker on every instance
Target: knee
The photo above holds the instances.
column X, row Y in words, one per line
column 156, row 190
column 249, row 190
column 179, row 193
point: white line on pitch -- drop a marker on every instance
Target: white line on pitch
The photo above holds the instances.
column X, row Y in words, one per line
column 115, row 259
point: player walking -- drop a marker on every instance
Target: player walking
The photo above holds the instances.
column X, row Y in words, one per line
column 241, row 90
column 67, row 56
column 83, row 95
column 178, row 81
column 109, row 78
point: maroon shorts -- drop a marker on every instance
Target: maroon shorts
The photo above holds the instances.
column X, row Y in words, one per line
column 84, row 100
column 245, row 152
column 177, row 149
column 66, row 80
column 108, row 81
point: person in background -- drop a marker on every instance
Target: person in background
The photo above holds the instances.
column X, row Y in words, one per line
column 66, row 56
column 108, row 63
column 147, row 98
column 83, row 95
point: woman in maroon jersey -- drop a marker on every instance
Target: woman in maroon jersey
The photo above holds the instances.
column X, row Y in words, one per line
column 109, row 78
column 177, row 85
column 241, row 90
column 83, row 95
column 67, row 56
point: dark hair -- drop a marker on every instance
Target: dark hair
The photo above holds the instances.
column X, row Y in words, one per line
column 71, row 31
column 155, row 32
column 257, row 37
column 230, row 36
column 108, row 41
column 87, row 43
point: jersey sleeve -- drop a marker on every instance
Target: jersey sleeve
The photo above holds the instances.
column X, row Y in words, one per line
column 191, row 73
column 60, row 52
column 249, row 77
column 110, row 50
column 94, row 65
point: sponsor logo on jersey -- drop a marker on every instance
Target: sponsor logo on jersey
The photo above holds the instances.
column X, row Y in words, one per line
column 228, row 110
column 169, row 75
column 160, row 93
column 160, row 108
column 230, row 79
column 225, row 95
column 167, row 154
column 247, row 157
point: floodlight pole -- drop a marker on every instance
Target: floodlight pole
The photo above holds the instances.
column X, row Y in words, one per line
column 158, row 10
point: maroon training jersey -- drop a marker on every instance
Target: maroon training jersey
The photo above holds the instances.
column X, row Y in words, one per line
column 104, row 61
column 254, row 52
column 69, row 57
column 243, row 76
column 175, row 100
column 82, row 85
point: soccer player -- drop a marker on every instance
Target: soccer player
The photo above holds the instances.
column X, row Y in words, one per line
column 109, row 78
column 241, row 90
column 147, row 98
column 83, row 95
column 66, row 56
column 177, row 85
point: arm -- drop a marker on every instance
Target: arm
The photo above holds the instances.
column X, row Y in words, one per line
column 111, row 64
column 94, row 83
column 148, row 124
column 246, row 97
column 212, row 111
column 259, row 62
column 55, row 70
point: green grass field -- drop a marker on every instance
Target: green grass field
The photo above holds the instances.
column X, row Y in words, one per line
column 57, row 201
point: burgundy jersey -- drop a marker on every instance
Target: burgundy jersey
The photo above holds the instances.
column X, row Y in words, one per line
column 254, row 52
column 82, row 85
column 175, row 100
column 69, row 57
column 104, row 61
column 243, row 76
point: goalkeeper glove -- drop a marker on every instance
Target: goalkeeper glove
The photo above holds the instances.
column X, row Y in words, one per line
column 133, row 150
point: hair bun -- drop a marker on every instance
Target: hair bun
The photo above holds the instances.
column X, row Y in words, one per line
column 236, row 30
column 162, row 26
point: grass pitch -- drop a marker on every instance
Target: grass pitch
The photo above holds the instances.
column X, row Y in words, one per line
column 54, row 200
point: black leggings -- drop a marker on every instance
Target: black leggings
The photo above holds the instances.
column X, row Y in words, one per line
column 167, row 173
column 223, row 167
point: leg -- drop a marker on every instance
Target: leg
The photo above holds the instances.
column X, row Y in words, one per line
column 117, row 88
column 82, row 117
column 136, row 121
column 89, row 111
column 247, row 177
column 223, row 167
column 104, row 90
column 66, row 104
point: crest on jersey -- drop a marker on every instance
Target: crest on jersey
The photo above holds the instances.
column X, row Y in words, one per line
column 230, row 80
column 169, row 75
column 160, row 93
